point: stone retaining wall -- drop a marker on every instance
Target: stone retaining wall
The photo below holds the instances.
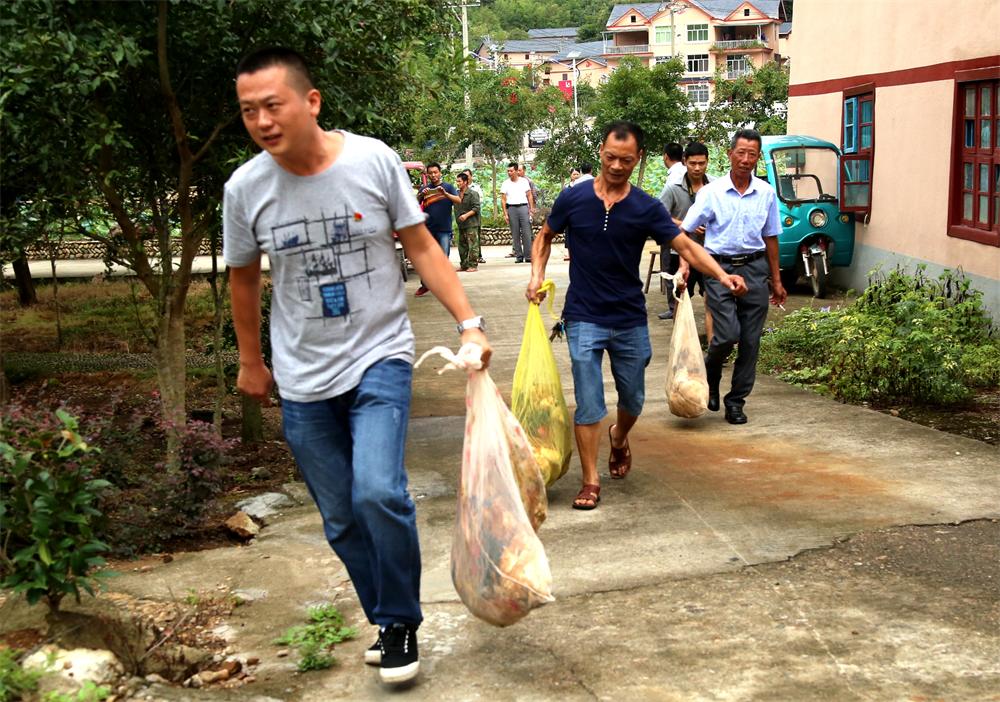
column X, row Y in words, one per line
column 69, row 250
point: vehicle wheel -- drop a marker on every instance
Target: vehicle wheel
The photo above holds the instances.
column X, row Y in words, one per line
column 818, row 277
column 789, row 277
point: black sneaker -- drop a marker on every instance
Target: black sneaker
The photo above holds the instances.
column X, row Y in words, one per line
column 373, row 656
column 399, row 653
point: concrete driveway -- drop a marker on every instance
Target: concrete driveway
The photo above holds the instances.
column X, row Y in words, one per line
column 779, row 560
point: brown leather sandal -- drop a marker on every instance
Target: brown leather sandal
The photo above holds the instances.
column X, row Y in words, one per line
column 620, row 459
column 588, row 497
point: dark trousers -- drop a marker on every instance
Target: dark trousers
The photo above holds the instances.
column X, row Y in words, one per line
column 737, row 320
column 520, row 230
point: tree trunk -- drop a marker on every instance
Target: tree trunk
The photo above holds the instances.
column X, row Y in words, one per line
column 26, row 294
column 171, row 376
column 218, row 301
column 252, row 427
column 4, row 383
column 642, row 171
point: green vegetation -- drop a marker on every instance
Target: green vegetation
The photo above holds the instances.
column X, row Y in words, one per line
column 315, row 640
column 48, row 498
column 88, row 692
column 908, row 338
column 15, row 682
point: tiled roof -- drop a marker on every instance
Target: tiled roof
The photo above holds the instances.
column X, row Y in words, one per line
column 564, row 32
column 719, row 9
column 587, row 49
column 526, row 46
column 785, row 28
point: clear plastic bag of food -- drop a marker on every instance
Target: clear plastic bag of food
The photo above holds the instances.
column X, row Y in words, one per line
column 687, row 381
column 498, row 564
column 537, row 399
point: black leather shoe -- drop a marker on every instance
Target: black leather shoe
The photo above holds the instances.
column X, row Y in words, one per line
column 713, row 400
column 735, row 415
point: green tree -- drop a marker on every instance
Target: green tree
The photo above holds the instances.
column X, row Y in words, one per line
column 570, row 143
column 651, row 98
column 757, row 100
column 137, row 99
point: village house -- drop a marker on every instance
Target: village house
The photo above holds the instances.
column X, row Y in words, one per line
column 917, row 117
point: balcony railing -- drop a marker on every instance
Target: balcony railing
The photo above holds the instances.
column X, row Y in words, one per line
column 612, row 49
column 739, row 44
column 738, row 73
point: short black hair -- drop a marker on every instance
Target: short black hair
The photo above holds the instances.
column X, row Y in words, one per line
column 433, row 164
column 749, row 135
column 463, row 176
column 695, row 148
column 586, row 168
column 623, row 129
column 513, row 164
column 673, row 151
column 467, row 170
column 269, row 56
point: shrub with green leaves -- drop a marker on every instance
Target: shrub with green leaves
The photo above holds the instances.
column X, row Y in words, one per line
column 907, row 338
column 48, row 512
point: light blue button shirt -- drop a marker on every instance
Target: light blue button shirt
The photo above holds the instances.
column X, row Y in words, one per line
column 735, row 224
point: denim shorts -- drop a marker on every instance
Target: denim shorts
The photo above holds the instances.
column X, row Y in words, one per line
column 629, row 352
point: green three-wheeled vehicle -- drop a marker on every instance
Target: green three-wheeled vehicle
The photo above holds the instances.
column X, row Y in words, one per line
column 815, row 233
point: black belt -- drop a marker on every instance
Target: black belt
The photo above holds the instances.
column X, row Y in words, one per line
column 523, row 204
column 740, row 260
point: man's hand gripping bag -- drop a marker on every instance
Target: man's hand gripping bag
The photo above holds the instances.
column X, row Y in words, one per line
column 687, row 381
column 537, row 398
column 498, row 564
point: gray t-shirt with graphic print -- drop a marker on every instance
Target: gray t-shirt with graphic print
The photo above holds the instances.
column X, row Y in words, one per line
column 338, row 304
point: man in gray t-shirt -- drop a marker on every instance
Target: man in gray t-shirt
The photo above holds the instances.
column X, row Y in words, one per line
column 323, row 206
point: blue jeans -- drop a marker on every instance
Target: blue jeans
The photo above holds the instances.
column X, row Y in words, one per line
column 629, row 351
column 349, row 450
column 444, row 240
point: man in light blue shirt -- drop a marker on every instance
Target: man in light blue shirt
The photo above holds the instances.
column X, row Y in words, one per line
column 740, row 216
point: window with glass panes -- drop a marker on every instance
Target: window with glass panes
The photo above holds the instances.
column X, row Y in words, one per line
column 976, row 192
column 697, row 63
column 697, row 32
column 661, row 35
column 737, row 66
column 698, row 94
column 858, row 147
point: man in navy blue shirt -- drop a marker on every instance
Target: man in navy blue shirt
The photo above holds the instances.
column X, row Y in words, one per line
column 605, row 306
column 437, row 200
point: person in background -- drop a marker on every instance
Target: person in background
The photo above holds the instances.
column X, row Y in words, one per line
column 437, row 199
column 586, row 173
column 342, row 342
column 574, row 173
column 740, row 215
column 474, row 187
column 467, row 217
column 605, row 307
column 673, row 159
column 518, row 205
column 678, row 198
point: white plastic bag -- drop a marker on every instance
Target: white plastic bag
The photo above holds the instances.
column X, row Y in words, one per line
column 687, row 380
column 498, row 564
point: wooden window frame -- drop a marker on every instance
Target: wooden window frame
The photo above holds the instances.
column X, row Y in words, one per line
column 858, row 96
column 976, row 156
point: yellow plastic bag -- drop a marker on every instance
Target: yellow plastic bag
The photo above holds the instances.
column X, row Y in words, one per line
column 498, row 565
column 537, row 398
column 687, row 381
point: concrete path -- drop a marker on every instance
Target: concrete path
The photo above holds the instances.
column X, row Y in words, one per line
column 717, row 570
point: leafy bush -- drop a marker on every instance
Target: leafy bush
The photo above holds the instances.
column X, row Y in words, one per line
column 48, row 497
column 907, row 338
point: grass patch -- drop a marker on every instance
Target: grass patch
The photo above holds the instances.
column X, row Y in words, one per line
column 315, row 640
